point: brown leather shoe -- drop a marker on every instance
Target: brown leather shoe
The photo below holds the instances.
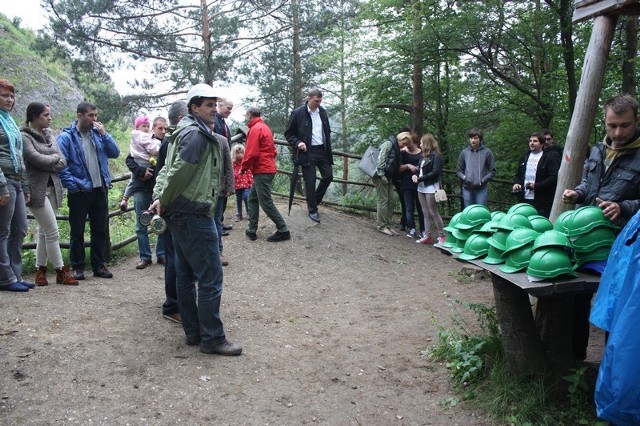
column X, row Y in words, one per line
column 41, row 276
column 143, row 263
column 64, row 277
column 173, row 317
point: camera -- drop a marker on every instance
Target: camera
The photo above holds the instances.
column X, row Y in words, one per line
column 527, row 185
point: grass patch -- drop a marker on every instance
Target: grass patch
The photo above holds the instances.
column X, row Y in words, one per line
column 472, row 351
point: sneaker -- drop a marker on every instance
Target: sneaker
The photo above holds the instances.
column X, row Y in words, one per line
column 314, row 217
column 27, row 284
column 279, row 236
column 226, row 348
column 441, row 240
column 173, row 317
column 14, row 287
column 78, row 274
column 425, row 240
column 252, row 235
column 102, row 272
column 227, row 227
column 411, row 233
column 422, row 235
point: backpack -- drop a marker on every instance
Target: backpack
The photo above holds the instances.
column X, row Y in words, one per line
column 392, row 165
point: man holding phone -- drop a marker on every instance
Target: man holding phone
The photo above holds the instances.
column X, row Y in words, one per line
column 87, row 147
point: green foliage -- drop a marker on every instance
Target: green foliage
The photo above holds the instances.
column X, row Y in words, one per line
column 476, row 362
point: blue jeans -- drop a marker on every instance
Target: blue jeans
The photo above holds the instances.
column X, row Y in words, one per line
column 218, row 217
column 198, row 259
column 13, row 228
column 160, row 245
column 475, row 196
column 411, row 203
column 141, row 202
column 170, row 305
column 242, row 194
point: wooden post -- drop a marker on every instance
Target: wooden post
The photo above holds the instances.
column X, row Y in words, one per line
column 523, row 350
column 587, row 102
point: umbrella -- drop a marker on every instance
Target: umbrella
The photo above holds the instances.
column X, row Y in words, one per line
column 294, row 181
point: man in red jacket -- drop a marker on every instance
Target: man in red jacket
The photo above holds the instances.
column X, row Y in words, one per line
column 259, row 157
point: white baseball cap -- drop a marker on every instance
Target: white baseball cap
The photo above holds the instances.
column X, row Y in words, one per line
column 202, row 90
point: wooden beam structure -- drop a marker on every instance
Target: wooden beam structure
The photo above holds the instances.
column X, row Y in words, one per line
column 587, row 9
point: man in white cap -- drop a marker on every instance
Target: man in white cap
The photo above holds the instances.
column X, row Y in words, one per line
column 185, row 194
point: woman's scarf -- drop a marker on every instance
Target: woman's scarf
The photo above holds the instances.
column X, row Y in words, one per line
column 15, row 138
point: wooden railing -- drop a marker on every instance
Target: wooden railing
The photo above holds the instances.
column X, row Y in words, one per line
column 499, row 190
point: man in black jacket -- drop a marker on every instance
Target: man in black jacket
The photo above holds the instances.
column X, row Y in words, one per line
column 308, row 133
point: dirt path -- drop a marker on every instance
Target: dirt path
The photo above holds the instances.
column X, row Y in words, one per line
column 332, row 324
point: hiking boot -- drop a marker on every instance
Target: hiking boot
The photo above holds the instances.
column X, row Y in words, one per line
column 279, row 236
column 64, row 277
column 41, row 276
column 102, row 272
column 78, row 274
column 226, row 348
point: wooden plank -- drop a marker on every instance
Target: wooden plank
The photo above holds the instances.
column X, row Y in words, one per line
column 590, row 9
column 564, row 285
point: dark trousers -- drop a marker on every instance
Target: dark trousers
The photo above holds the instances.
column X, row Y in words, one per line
column 94, row 205
column 321, row 159
column 170, row 305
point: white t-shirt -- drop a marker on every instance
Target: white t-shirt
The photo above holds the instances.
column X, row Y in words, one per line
column 429, row 188
column 530, row 174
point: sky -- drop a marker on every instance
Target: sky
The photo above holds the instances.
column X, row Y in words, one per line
column 33, row 17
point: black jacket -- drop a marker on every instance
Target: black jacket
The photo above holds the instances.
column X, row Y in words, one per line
column 546, row 179
column 431, row 169
column 299, row 129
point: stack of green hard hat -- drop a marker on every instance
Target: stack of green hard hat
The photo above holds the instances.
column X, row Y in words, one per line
column 591, row 233
column 549, row 262
column 475, row 247
column 540, row 223
column 552, row 238
column 561, row 221
column 518, row 249
column 524, row 209
column 497, row 215
column 471, row 218
column 450, row 240
column 487, row 228
column 511, row 221
column 496, row 247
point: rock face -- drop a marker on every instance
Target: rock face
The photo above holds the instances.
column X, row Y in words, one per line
column 34, row 78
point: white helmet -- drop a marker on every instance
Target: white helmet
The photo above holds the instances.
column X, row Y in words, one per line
column 202, row 90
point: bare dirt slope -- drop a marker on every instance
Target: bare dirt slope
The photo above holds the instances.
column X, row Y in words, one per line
column 332, row 324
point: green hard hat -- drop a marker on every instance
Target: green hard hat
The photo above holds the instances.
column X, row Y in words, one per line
column 524, row 209
column 585, row 219
column 459, row 246
column 494, row 256
column 517, row 260
column 593, row 239
column 540, row 223
column 449, row 240
column 474, row 216
column 462, row 234
column 498, row 239
column 597, row 254
column 487, row 228
column 519, row 238
column 453, row 222
column 475, row 247
column 551, row 238
column 497, row 215
column 511, row 221
column 561, row 221
column 550, row 262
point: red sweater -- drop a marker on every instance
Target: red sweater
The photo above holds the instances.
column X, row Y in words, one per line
column 260, row 152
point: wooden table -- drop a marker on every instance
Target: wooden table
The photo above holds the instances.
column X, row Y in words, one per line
column 541, row 343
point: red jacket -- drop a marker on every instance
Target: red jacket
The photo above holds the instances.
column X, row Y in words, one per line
column 260, row 151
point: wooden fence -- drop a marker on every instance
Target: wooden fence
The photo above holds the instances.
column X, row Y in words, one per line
column 499, row 190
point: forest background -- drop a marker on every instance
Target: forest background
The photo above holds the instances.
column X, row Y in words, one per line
column 506, row 67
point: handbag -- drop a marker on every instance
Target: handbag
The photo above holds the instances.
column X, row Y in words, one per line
column 441, row 194
column 369, row 162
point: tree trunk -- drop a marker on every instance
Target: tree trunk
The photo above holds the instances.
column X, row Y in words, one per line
column 297, row 57
column 583, row 117
column 631, row 47
column 206, row 42
column 566, row 38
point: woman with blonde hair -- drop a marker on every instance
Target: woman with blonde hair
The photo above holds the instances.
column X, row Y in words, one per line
column 428, row 181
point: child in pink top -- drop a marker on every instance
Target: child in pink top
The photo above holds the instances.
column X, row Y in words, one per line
column 143, row 149
column 244, row 181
